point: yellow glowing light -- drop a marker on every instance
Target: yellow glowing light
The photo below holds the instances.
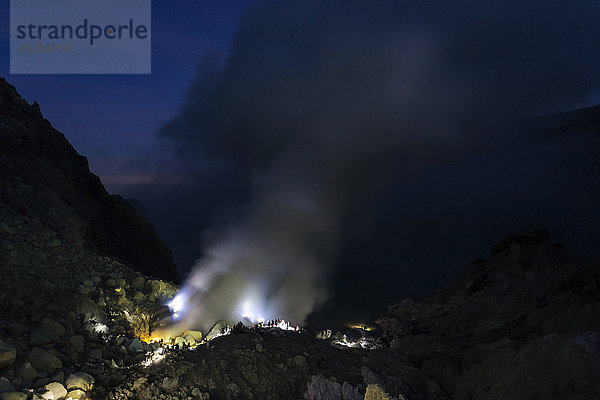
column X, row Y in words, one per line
column 364, row 327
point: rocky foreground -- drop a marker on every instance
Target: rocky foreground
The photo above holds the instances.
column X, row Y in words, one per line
column 521, row 324
column 77, row 325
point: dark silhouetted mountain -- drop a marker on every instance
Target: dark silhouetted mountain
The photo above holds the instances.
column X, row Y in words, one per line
column 42, row 177
column 521, row 324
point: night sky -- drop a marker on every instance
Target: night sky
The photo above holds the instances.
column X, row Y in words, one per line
column 113, row 119
column 382, row 143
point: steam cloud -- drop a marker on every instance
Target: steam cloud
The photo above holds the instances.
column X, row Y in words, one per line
column 322, row 103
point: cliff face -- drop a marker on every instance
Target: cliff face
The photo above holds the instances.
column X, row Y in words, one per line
column 510, row 327
column 42, row 177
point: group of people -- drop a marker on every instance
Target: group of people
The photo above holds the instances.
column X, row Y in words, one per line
column 278, row 323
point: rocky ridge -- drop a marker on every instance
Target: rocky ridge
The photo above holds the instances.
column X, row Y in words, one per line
column 43, row 177
column 523, row 323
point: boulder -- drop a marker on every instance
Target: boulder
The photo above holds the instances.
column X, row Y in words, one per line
column 170, row 383
column 51, row 325
column 298, row 362
column 96, row 354
column 58, row 376
column 196, row 335
column 27, row 372
column 44, row 361
column 135, row 346
column 6, row 386
column 43, row 337
column 138, row 383
column 375, row 392
column 77, row 343
column 8, row 354
column 217, row 329
column 80, row 380
column 139, row 297
column 84, row 290
column 139, row 283
column 13, row 396
column 56, row 390
column 76, row 395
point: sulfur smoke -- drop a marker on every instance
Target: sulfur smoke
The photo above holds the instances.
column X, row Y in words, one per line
column 321, row 105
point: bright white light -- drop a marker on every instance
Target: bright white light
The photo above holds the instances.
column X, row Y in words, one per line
column 100, row 328
column 253, row 308
column 177, row 305
column 361, row 343
column 158, row 356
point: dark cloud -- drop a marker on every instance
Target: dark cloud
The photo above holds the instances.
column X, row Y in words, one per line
column 330, row 111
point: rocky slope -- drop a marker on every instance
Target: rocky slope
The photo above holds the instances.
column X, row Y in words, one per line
column 69, row 316
column 74, row 324
column 43, row 177
column 522, row 324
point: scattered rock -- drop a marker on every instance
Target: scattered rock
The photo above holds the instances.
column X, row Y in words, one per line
column 84, row 290
column 5, row 385
column 8, row 354
column 96, row 354
column 57, row 390
column 139, row 382
column 80, row 380
column 27, row 372
column 135, row 346
column 375, row 392
column 44, row 361
column 51, row 325
column 14, row 396
column 76, row 395
column 43, row 337
column 170, row 383
column 77, row 343
column 299, row 362
column 196, row 335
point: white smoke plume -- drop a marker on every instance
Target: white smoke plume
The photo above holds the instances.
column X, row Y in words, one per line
column 319, row 109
